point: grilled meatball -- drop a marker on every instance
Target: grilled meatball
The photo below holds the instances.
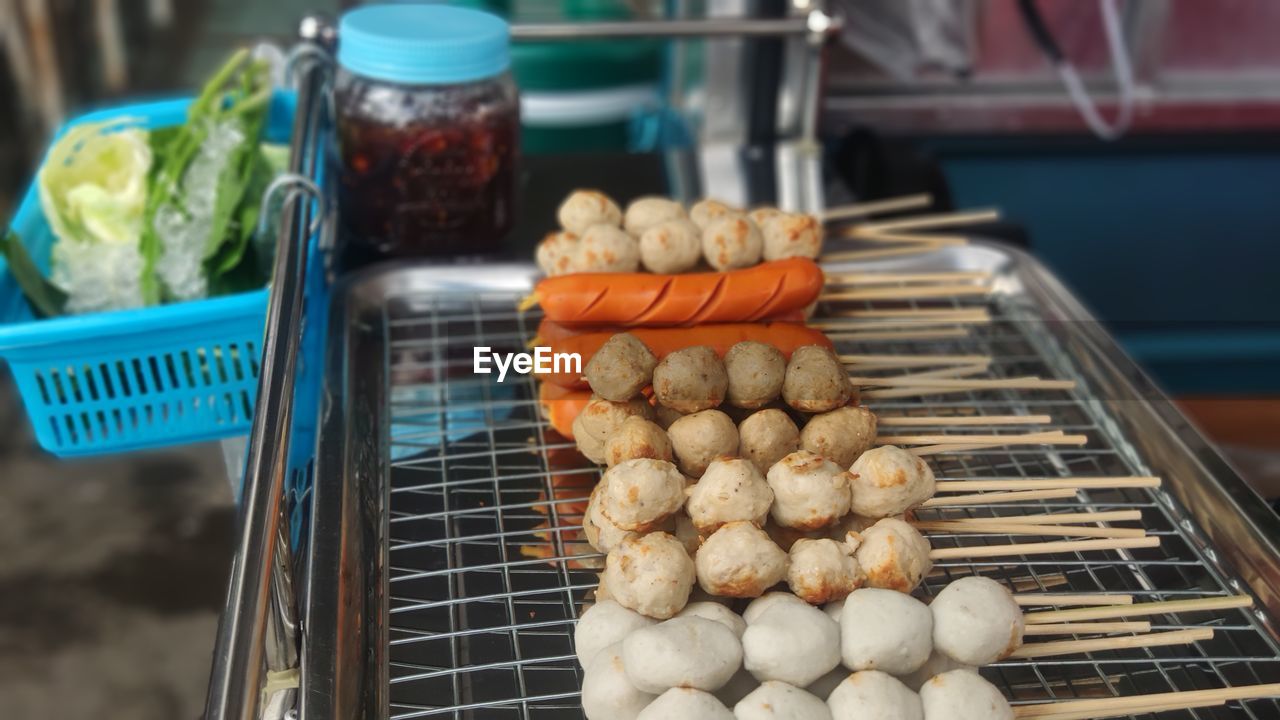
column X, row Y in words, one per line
column 808, row 492
column 637, row 438
column 835, row 608
column 822, row 570
column 691, row 652
column 761, row 215
column 791, row 235
column 651, row 574
column 732, row 243
column 673, row 246
column 976, row 621
column 889, row 481
column 775, row 700
column 885, row 630
column 766, row 437
column 690, row 380
column 894, row 555
column 664, row 416
column 795, row 643
column 599, row 530
column 600, row 419
column 701, row 437
column 602, row 625
column 840, row 435
column 607, row 693
column 963, row 695
column 621, row 368
column 705, row 213
column 756, row 371
column 816, row 382
column 685, row 704
column 640, row 494
column 643, row 213
column 731, row 489
column 585, row 208
column 605, row 248
column 739, row 560
column 557, row 253
column 873, row 695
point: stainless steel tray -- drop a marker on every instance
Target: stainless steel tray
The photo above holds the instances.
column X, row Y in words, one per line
column 444, row 580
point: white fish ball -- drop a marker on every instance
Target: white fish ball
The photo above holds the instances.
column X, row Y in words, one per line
column 775, row 700
column 874, row 695
column 689, row 652
column 607, row 694
column 885, row 630
column 792, row 642
column 602, row 625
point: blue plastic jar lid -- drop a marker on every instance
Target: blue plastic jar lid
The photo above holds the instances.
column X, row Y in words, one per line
column 419, row 44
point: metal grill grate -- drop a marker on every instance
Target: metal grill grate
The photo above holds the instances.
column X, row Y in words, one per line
column 488, row 574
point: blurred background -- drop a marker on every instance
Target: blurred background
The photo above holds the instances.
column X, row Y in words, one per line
column 1137, row 155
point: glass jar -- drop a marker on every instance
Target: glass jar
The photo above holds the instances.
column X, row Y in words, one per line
column 428, row 131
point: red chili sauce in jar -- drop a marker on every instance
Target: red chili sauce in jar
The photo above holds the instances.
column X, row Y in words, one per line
column 427, row 133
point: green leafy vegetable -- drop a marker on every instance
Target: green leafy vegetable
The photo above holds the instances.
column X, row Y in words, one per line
column 46, row 298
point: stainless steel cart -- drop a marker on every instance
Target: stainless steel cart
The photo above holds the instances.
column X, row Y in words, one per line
column 437, row 570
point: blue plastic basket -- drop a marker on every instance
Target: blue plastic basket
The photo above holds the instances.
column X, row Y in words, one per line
column 134, row 379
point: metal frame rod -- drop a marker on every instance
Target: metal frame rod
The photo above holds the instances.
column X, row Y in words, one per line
column 710, row 27
column 240, row 654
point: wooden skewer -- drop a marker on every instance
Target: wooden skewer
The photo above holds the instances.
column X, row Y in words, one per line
column 912, row 324
column 898, row 335
column 1018, row 383
column 875, row 207
column 1142, row 704
column 1076, row 483
column 1034, row 438
column 903, row 238
column 893, row 361
column 938, row 313
column 887, row 278
column 960, row 526
column 1043, row 548
column 960, row 420
column 1071, row 647
column 997, row 497
column 954, row 448
column 1140, row 626
column 1058, row 518
column 951, row 371
column 1026, row 599
column 1228, row 602
column 859, row 255
column 900, row 293
column 922, row 222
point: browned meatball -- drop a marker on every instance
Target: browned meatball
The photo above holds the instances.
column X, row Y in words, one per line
column 766, row 437
column 756, row 372
column 699, row 438
column 621, row 368
column 691, row 380
column 816, row 381
column 637, row 438
column 664, row 416
column 599, row 419
column 840, row 435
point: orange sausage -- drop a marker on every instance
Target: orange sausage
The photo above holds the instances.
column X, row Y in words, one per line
column 663, row 341
column 560, row 405
column 747, row 295
column 550, row 332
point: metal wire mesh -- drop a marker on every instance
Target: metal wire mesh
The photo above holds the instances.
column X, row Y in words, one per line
column 489, row 572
